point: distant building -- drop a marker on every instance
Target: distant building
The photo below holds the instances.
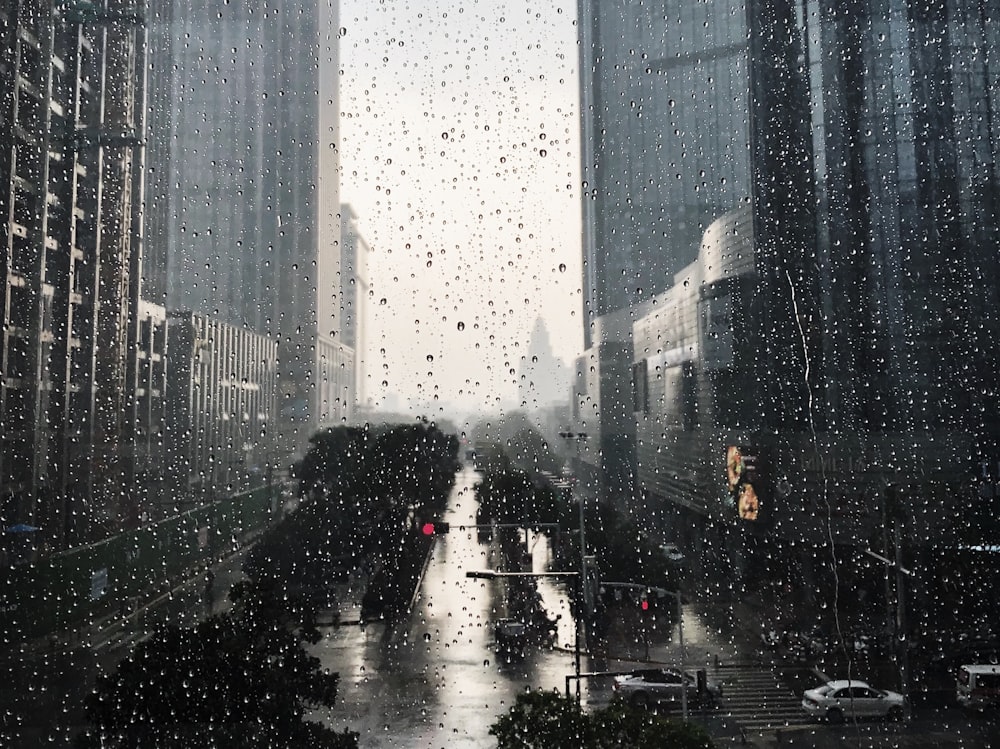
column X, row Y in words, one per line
column 543, row 378
column 71, row 169
column 221, row 388
column 354, row 289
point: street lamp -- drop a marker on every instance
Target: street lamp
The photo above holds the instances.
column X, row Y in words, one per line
column 494, row 574
column 579, row 437
column 902, row 642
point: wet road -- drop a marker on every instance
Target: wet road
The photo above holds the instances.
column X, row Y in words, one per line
column 432, row 680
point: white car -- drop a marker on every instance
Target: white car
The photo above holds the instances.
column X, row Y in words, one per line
column 654, row 685
column 672, row 553
column 837, row 700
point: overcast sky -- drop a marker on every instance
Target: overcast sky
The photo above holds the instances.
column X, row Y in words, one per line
column 460, row 154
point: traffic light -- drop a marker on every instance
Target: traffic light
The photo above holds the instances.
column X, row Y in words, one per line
column 644, row 602
column 434, row 528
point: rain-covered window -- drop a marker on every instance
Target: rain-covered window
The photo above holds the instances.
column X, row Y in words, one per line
column 499, row 373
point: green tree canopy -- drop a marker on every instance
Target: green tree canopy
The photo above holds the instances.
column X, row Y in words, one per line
column 226, row 682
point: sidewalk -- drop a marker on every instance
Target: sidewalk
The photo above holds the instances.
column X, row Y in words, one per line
column 54, row 675
column 121, row 627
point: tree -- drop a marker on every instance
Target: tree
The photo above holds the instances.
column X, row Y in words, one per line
column 228, row 682
column 623, row 552
column 619, row 725
column 543, row 720
column 548, row 720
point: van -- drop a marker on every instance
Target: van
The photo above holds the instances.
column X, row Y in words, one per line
column 978, row 685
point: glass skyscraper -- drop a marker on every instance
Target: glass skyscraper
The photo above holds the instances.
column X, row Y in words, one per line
column 797, row 201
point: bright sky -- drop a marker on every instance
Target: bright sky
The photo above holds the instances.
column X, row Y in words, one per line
column 460, row 154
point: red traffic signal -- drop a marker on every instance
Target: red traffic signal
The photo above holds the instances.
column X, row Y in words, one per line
column 644, row 602
column 434, row 529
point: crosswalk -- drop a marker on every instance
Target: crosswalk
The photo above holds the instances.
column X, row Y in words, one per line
column 755, row 699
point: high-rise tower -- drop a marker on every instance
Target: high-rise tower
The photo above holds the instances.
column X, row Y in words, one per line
column 72, row 81
column 245, row 201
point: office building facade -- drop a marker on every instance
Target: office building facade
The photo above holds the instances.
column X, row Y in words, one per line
column 354, row 291
column 72, row 88
column 821, row 368
column 221, row 387
column 244, row 206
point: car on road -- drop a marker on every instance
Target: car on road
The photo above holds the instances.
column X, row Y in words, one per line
column 836, row 701
column 672, row 553
column 511, row 638
column 651, row 686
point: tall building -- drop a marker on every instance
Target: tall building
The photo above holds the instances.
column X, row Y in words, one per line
column 354, row 290
column 72, row 92
column 819, row 360
column 543, row 380
column 244, row 191
column 664, row 108
column 668, row 147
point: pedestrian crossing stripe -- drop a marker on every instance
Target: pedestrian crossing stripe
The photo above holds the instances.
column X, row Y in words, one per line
column 756, row 699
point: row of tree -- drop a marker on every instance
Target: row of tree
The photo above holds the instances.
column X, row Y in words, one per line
column 239, row 680
column 245, row 678
column 362, row 492
column 624, row 552
column 548, row 720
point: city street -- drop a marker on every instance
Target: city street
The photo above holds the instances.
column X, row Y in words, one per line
column 432, row 680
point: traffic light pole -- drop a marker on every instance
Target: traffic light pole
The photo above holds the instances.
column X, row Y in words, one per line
column 680, row 637
column 680, row 631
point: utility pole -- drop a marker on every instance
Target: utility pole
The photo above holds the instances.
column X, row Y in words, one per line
column 902, row 640
column 892, row 518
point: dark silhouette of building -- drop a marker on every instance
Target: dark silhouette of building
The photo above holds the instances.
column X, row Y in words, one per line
column 543, row 380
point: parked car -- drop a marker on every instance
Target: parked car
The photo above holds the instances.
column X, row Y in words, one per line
column 672, row 553
column 655, row 685
column 837, row 700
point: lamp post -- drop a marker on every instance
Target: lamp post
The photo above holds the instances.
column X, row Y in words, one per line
column 901, row 641
column 580, row 437
column 892, row 519
column 494, row 574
